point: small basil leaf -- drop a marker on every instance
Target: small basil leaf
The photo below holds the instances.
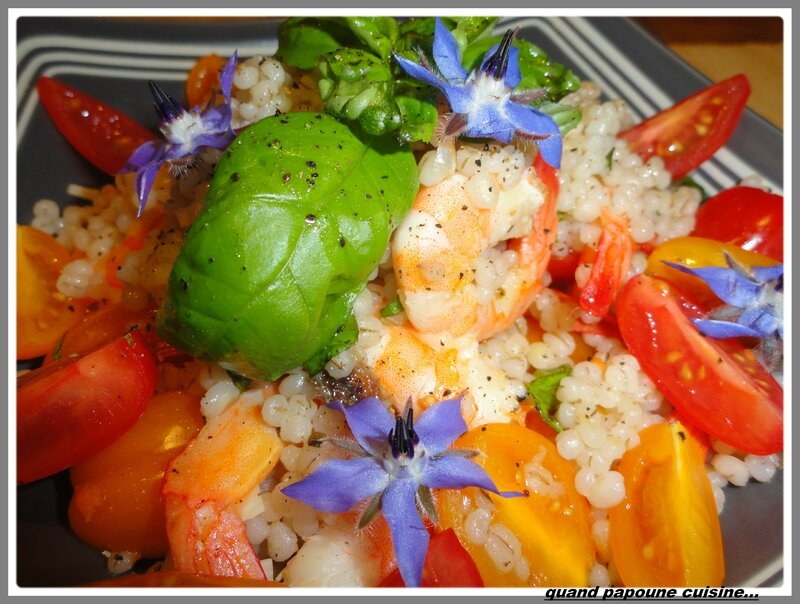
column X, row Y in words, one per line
column 302, row 41
column 543, row 390
column 688, row 181
column 379, row 34
column 357, row 86
column 395, row 307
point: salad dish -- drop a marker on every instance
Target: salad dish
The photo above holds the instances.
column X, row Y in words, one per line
column 378, row 302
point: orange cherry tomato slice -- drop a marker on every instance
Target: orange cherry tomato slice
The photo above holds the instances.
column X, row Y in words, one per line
column 666, row 531
column 203, row 80
column 43, row 313
column 552, row 522
column 116, row 503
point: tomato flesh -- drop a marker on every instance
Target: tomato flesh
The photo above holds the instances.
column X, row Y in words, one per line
column 717, row 385
column 43, row 313
column 552, row 523
column 747, row 217
column 102, row 134
column 447, row 564
column 666, row 531
column 696, row 252
column 203, row 79
column 71, row 409
column 692, row 130
column 116, row 502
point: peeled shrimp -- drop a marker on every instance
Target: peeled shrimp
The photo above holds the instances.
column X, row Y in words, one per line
column 410, row 365
column 469, row 257
column 230, row 456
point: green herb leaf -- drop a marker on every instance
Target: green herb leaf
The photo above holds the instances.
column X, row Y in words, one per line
column 610, row 158
column 565, row 116
column 418, row 32
column 297, row 216
column 688, row 181
column 302, row 41
column 543, row 390
column 357, row 86
column 395, row 307
column 240, row 381
column 57, row 349
column 379, row 34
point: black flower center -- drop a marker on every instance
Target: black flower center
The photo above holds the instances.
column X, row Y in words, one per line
column 402, row 437
column 166, row 107
column 497, row 65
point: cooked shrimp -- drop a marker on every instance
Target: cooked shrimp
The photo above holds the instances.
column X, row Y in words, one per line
column 469, row 256
column 230, row 456
column 408, row 364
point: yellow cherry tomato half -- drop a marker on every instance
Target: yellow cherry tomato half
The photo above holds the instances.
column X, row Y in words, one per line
column 116, row 503
column 551, row 525
column 666, row 531
column 43, row 313
column 695, row 252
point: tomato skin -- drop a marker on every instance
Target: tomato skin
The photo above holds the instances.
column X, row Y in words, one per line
column 747, row 217
column 203, row 79
column 171, row 578
column 717, row 385
column 73, row 408
column 692, row 130
column 103, row 135
column 554, row 528
column 666, row 531
column 447, row 564
column 116, row 503
column 43, row 313
column 695, row 252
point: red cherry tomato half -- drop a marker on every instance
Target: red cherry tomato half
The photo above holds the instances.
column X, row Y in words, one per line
column 692, row 130
column 71, row 409
column 447, row 564
column 747, row 217
column 717, row 385
column 103, row 135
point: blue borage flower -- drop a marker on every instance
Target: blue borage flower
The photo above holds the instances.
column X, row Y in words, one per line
column 482, row 102
column 396, row 463
column 753, row 307
column 185, row 133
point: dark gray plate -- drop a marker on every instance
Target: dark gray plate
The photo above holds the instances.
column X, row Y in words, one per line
column 111, row 59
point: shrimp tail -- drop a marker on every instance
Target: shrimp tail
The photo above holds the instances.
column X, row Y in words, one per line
column 214, row 540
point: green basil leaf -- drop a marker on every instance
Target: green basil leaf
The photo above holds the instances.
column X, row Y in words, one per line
column 356, row 85
column 379, row 34
column 297, row 216
column 566, row 117
column 395, row 307
column 302, row 41
column 419, row 31
column 543, row 390
column 688, row 181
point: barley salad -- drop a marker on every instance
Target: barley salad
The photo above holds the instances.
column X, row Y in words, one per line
column 279, row 527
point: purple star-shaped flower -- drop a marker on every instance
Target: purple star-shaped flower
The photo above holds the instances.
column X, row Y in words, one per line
column 397, row 462
column 753, row 306
column 482, row 102
column 753, row 299
column 185, row 133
